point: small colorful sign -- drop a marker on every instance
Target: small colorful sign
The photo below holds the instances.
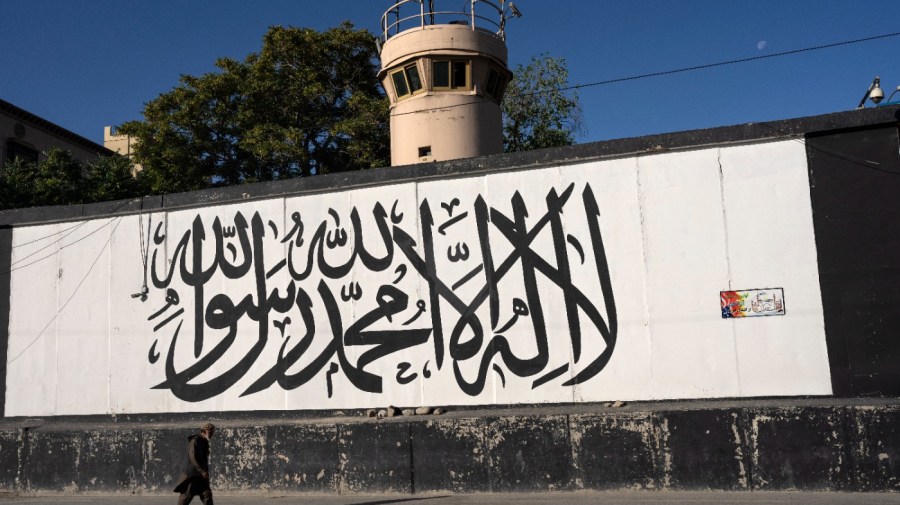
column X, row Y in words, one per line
column 752, row 302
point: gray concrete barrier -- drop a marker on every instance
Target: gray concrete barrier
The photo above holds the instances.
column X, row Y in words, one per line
column 713, row 446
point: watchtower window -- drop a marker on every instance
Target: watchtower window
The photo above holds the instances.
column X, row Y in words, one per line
column 451, row 74
column 407, row 81
column 495, row 84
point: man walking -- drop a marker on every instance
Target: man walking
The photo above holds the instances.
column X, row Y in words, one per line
column 195, row 479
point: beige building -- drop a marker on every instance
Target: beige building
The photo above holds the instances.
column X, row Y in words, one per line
column 445, row 72
column 122, row 144
column 27, row 136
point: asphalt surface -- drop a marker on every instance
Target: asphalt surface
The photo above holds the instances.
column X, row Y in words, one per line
column 558, row 498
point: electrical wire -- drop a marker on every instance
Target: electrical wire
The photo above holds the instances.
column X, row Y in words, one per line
column 66, row 246
column 51, row 244
column 72, row 296
column 872, row 165
column 659, row 74
column 141, row 232
column 71, row 227
column 677, row 70
column 732, row 62
column 23, row 244
column 568, row 88
column 145, row 250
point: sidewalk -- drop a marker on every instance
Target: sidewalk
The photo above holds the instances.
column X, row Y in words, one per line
column 558, row 498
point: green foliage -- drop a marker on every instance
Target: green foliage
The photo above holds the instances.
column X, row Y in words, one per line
column 536, row 112
column 59, row 179
column 16, row 183
column 308, row 103
column 112, row 178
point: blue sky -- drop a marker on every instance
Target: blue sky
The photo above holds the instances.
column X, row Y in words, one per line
column 93, row 63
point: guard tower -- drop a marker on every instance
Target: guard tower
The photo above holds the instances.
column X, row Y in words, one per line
column 445, row 73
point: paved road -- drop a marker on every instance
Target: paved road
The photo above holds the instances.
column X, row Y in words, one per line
column 559, row 498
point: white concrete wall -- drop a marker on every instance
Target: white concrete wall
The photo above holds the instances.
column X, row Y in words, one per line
column 676, row 228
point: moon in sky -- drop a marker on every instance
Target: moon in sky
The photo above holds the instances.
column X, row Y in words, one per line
column 761, row 45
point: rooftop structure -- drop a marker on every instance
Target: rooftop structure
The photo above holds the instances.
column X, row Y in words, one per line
column 26, row 135
column 445, row 72
column 122, row 144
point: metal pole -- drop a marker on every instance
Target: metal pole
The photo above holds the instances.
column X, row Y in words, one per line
column 396, row 17
column 422, row 13
column 473, row 14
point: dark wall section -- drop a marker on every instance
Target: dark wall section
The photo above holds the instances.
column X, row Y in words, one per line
column 5, row 265
column 733, row 448
column 855, row 191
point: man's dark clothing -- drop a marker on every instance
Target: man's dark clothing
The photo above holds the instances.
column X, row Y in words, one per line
column 192, row 482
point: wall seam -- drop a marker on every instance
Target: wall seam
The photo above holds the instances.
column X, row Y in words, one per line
column 285, row 248
column 339, row 440
column 109, row 322
column 850, row 480
column 571, row 471
column 412, row 461
column 57, row 275
column 645, row 247
column 732, row 322
column 750, row 447
column 24, row 446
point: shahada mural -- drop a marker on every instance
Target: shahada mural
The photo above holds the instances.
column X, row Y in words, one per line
column 309, row 296
column 587, row 282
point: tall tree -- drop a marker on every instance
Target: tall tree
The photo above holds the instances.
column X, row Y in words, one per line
column 537, row 110
column 308, row 103
column 60, row 179
column 16, row 184
column 112, row 178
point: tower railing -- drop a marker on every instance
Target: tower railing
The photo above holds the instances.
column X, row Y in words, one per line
column 482, row 15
